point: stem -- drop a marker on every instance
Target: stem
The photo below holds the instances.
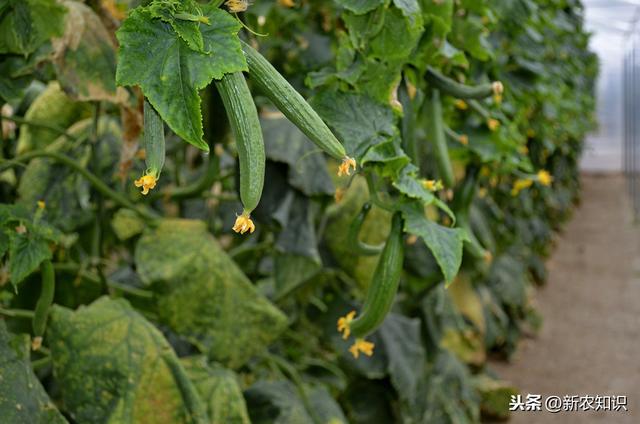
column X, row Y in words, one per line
column 194, row 189
column 17, row 313
column 36, row 124
column 476, row 106
column 373, row 195
column 41, row 363
column 93, row 179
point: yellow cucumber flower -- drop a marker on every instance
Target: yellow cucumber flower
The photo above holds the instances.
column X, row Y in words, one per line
column 243, row 224
column 520, row 185
column 493, row 124
column 236, row 6
column 344, row 324
column 147, row 182
column 461, row 104
column 361, row 345
column 286, row 3
column 544, row 177
column 346, row 165
column 464, row 139
column 432, row 185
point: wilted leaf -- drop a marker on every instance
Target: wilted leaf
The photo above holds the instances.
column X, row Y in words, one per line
column 202, row 294
column 85, row 57
column 22, row 397
column 112, row 365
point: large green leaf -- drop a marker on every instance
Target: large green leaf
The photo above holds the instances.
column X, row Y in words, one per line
column 202, row 294
column 170, row 73
column 26, row 253
column 276, row 402
column 445, row 243
column 358, row 121
column 113, row 366
column 284, row 142
column 22, row 397
column 219, row 389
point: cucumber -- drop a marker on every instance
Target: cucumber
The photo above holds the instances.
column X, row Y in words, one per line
column 153, row 140
column 381, row 293
column 245, row 125
column 438, row 139
column 462, row 91
column 43, row 305
column 273, row 85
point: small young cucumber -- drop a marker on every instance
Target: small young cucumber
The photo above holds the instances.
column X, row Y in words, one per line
column 44, row 302
column 359, row 247
column 245, row 125
column 293, row 105
column 462, row 91
column 384, row 284
column 438, row 138
column 154, row 148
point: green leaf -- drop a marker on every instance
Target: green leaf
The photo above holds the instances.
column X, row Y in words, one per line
column 398, row 38
column 411, row 186
column 202, row 295
column 55, row 108
column 445, row 243
column 189, row 31
column 107, row 348
column 85, row 57
column 25, row 25
column 284, row 142
column 403, row 349
column 276, row 402
column 325, row 408
column 219, row 389
column 389, row 154
column 170, row 73
column 23, row 400
column 358, row 121
column 26, row 252
column 126, row 224
column 360, row 7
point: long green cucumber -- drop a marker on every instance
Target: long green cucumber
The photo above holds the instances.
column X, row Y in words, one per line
column 384, row 284
column 462, row 91
column 438, row 139
column 277, row 89
column 153, row 140
column 245, row 125
column 45, row 300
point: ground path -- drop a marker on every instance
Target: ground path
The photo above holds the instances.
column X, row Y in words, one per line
column 590, row 339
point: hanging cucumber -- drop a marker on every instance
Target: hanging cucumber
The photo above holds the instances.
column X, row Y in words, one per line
column 43, row 305
column 277, row 89
column 438, row 139
column 381, row 293
column 245, row 125
column 154, row 148
column 462, row 205
column 462, row 91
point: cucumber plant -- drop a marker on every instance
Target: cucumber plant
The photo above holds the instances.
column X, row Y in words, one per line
column 456, row 144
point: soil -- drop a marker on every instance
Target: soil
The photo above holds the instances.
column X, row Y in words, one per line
column 590, row 339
